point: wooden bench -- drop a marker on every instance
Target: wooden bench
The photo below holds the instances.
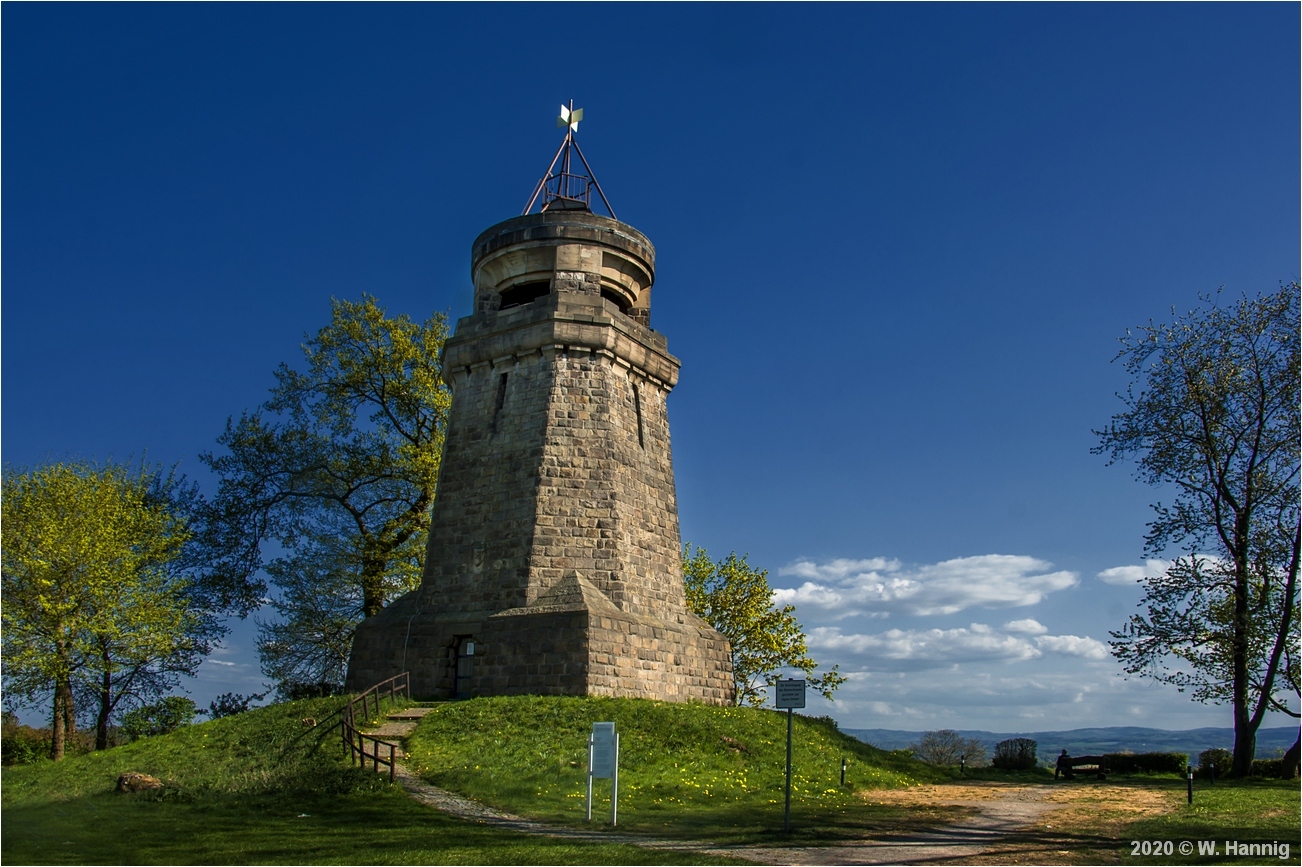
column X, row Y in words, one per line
column 1068, row 766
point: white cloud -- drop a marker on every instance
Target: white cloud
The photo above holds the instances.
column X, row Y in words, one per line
column 1026, row 627
column 1073, row 645
column 221, row 662
column 839, row 568
column 919, row 649
column 880, row 586
column 1123, row 575
column 925, row 648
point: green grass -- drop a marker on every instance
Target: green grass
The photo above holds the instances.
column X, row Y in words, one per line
column 1240, row 810
column 257, row 788
column 686, row 771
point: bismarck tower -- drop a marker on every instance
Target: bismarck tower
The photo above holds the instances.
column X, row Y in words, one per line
column 554, row 553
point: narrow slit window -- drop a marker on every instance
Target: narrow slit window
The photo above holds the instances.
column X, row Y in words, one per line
column 501, row 399
column 637, row 408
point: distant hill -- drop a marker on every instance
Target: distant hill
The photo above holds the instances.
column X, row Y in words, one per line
column 1112, row 739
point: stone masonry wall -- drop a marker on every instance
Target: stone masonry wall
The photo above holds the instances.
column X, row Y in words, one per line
column 554, row 539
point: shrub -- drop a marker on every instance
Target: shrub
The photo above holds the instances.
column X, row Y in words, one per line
column 22, row 745
column 231, row 703
column 1015, row 754
column 1147, row 763
column 1218, row 759
column 946, row 747
column 1275, row 769
column 159, row 718
column 292, row 690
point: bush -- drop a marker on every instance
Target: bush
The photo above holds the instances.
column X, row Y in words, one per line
column 1275, row 769
column 1148, row 763
column 292, row 690
column 1218, row 759
column 946, row 747
column 1015, row 754
column 24, row 745
column 231, row 703
column 159, row 718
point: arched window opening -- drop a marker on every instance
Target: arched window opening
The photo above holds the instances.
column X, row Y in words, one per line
column 525, row 293
column 615, row 298
column 464, row 673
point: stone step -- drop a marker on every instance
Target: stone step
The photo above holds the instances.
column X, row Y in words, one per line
column 410, row 713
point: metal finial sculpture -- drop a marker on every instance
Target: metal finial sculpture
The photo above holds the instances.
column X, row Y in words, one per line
column 565, row 190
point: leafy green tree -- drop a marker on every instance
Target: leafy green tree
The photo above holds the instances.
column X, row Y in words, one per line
column 736, row 599
column 97, row 596
column 1212, row 416
column 320, row 601
column 336, row 472
column 159, row 718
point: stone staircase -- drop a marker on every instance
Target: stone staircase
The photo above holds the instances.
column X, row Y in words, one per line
column 397, row 726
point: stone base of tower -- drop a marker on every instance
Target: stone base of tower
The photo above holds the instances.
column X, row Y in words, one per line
column 572, row 641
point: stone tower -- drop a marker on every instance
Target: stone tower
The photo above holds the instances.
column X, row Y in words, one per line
column 554, row 553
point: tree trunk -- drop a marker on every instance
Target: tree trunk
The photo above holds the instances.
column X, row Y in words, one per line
column 372, row 584
column 1293, row 758
column 69, row 712
column 1245, row 732
column 1245, row 745
column 64, row 721
column 105, row 706
column 56, row 727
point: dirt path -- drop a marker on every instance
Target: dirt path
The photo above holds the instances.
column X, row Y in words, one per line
column 1011, row 823
column 998, row 817
column 1004, row 814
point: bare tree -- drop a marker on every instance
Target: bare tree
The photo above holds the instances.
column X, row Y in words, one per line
column 1216, row 421
column 948, row 747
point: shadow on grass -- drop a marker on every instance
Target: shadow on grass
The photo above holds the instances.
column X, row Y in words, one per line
column 742, row 824
column 373, row 828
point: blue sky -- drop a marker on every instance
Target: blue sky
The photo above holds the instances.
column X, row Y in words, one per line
column 896, row 245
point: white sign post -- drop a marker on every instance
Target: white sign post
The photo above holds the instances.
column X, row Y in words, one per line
column 788, row 694
column 603, row 763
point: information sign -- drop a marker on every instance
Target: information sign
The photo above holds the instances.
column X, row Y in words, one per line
column 603, row 763
column 790, row 693
column 603, row 750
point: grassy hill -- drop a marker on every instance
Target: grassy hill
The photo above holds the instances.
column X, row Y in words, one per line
column 257, row 788
column 685, row 770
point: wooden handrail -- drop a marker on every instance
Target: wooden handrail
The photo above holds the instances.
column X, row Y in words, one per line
column 355, row 740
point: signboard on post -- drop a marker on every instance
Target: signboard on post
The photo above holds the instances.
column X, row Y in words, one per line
column 603, row 763
column 788, row 694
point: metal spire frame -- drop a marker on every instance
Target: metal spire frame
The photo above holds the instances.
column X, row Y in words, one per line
column 567, row 182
